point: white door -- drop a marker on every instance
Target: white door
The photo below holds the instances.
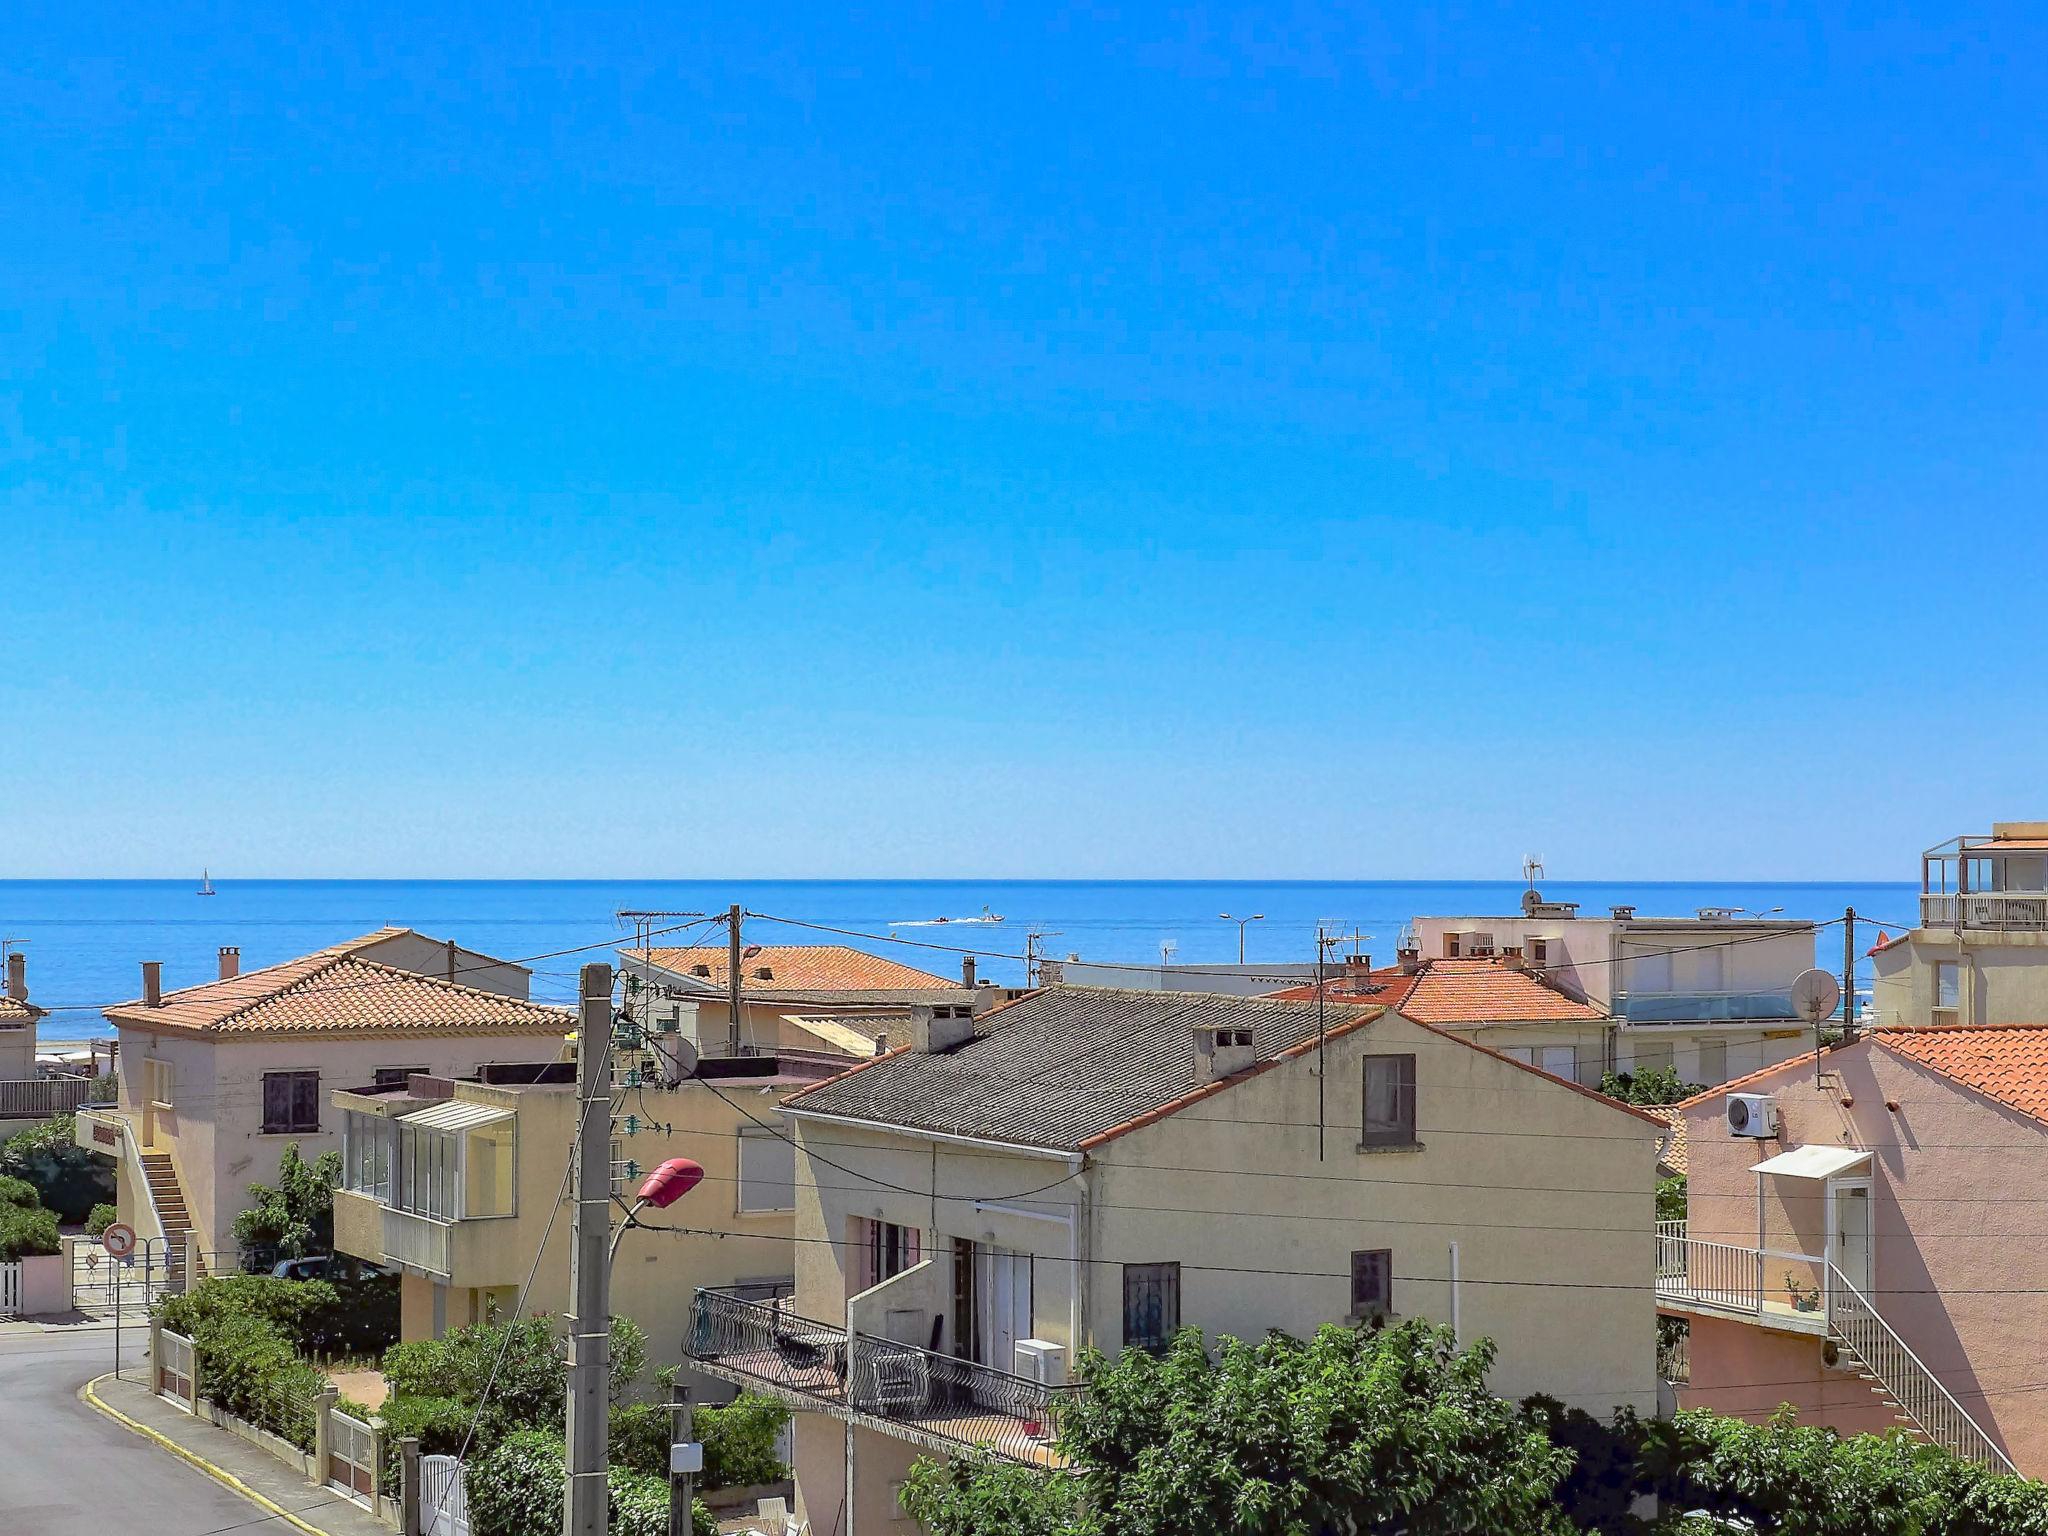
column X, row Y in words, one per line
column 1005, row 1287
column 1852, row 1234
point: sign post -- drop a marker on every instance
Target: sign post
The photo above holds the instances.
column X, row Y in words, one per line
column 119, row 1241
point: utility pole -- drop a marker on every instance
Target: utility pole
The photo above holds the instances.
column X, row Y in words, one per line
column 584, row 1500
column 732, row 973
column 1848, row 975
column 685, row 1461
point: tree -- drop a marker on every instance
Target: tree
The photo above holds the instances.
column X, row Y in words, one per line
column 1351, row 1431
column 294, row 1216
column 1649, row 1085
column 67, row 1179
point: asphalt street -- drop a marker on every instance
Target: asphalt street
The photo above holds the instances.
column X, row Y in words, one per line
column 68, row 1471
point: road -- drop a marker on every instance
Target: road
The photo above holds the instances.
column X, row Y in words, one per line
column 68, row 1471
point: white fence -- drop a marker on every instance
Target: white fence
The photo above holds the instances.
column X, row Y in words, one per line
column 10, row 1289
column 444, row 1500
column 176, row 1366
column 39, row 1098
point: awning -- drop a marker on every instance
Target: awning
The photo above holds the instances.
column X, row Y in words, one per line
column 1813, row 1162
column 456, row 1115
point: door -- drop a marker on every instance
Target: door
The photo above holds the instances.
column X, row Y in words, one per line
column 1003, row 1280
column 1851, row 1233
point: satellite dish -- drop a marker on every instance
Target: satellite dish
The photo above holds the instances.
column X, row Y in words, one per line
column 1814, row 995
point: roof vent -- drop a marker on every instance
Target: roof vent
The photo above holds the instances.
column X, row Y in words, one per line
column 938, row 1027
column 700, row 969
column 764, row 973
column 1621, row 914
column 1222, row 1050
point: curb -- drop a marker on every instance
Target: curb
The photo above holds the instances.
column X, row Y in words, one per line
column 218, row 1474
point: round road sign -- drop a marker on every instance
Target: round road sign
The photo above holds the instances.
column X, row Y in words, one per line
column 119, row 1240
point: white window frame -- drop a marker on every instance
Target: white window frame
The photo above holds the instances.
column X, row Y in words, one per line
column 759, row 1137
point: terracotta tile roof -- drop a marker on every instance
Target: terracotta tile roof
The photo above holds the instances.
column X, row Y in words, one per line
column 800, row 971
column 1675, row 1153
column 15, row 1014
column 1459, row 992
column 2006, row 1062
column 335, row 992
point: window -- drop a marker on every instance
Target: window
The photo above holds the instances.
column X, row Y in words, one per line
column 1653, row 1058
column 159, row 1078
column 881, row 1251
column 1389, row 1102
column 1713, row 1062
column 1372, row 1282
column 1539, row 951
column 767, row 1172
column 1151, row 1305
column 489, row 1186
column 393, row 1077
column 1948, row 985
column 366, row 1142
column 291, row 1102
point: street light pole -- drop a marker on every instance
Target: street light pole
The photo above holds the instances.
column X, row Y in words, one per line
column 1256, row 917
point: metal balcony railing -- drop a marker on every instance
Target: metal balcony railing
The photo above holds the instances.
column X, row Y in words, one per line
column 1724, row 1277
column 927, row 1395
column 2014, row 911
column 1677, row 1006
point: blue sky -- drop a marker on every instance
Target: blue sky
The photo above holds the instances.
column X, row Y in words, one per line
column 1020, row 441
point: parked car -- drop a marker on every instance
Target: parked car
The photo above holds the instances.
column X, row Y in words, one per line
column 327, row 1266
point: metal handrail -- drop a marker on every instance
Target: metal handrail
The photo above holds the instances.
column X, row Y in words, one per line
column 1918, row 1391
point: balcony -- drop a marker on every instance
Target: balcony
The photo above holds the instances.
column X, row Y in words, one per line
column 1779, row 1290
column 1766, row 1006
column 937, row 1401
column 38, row 1098
column 1996, row 911
column 481, row 1252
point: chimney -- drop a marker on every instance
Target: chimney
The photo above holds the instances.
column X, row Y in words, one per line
column 17, row 976
column 1357, row 968
column 152, row 983
column 451, row 960
column 1222, row 1050
column 967, row 971
column 1512, row 959
column 230, row 962
column 936, row 1027
column 1621, row 914
column 1410, row 958
column 882, row 1043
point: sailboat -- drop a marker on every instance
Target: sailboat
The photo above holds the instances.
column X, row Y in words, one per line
column 205, row 885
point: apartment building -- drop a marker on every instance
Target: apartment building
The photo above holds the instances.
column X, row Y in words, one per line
column 215, row 1080
column 1709, row 995
column 1102, row 1166
column 1862, row 1240
column 1496, row 1001
column 1979, row 953
column 828, row 997
column 453, row 1183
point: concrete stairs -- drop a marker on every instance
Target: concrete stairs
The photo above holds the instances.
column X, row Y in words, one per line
column 169, row 1199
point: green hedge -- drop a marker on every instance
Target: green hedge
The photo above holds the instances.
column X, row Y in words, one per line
column 248, row 1368
column 27, row 1233
column 103, row 1216
column 69, row 1179
column 738, row 1439
column 516, row 1490
column 318, row 1318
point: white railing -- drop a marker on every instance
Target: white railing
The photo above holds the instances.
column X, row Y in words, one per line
column 39, row 1098
column 1917, row 1390
column 1726, row 1277
column 10, row 1289
column 418, row 1241
column 2019, row 910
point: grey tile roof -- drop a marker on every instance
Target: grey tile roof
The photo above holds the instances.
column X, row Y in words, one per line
column 1062, row 1065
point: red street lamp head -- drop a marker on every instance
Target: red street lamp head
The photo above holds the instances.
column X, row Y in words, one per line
column 671, row 1181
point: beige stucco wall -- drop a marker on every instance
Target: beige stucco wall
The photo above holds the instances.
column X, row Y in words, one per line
column 1958, row 1245
column 214, row 1130
column 18, row 1053
column 2001, row 978
column 416, row 952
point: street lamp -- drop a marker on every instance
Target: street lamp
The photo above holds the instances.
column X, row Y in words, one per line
column 660, row 1189
column 1256, row 917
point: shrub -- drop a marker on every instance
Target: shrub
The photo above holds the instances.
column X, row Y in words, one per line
column 27, row 1233
column 516, row 1488
column 67, row 1178
column 247, row 1367
column 639, row 1440
column 739, row 1443
column 315, row 1317
column 103, row 1216
column 20, row 1192
column 441, row 1423
column 294, row 1216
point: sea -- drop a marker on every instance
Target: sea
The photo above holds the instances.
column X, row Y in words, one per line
column 85, row 939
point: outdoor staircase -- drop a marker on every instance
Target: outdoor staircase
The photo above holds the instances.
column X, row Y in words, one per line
column 168, row 1197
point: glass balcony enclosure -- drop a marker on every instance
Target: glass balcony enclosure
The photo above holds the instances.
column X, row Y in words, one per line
column 1996, row 882
column 453, row 1161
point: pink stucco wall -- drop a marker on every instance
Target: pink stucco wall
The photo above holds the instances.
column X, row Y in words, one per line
column 1960, row 1243
column 1747, row 1372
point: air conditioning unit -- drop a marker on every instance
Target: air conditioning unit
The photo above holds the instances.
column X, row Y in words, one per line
column 1042, row 1361
column 1752, row 1114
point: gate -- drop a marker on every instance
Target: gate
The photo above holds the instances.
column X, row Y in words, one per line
column 175, row 1369
column 352, row 1458
column 10, row 1289
column 99, row 1280
column 444, row 1501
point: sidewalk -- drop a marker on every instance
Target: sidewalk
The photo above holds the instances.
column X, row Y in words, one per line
column 268, row 1483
